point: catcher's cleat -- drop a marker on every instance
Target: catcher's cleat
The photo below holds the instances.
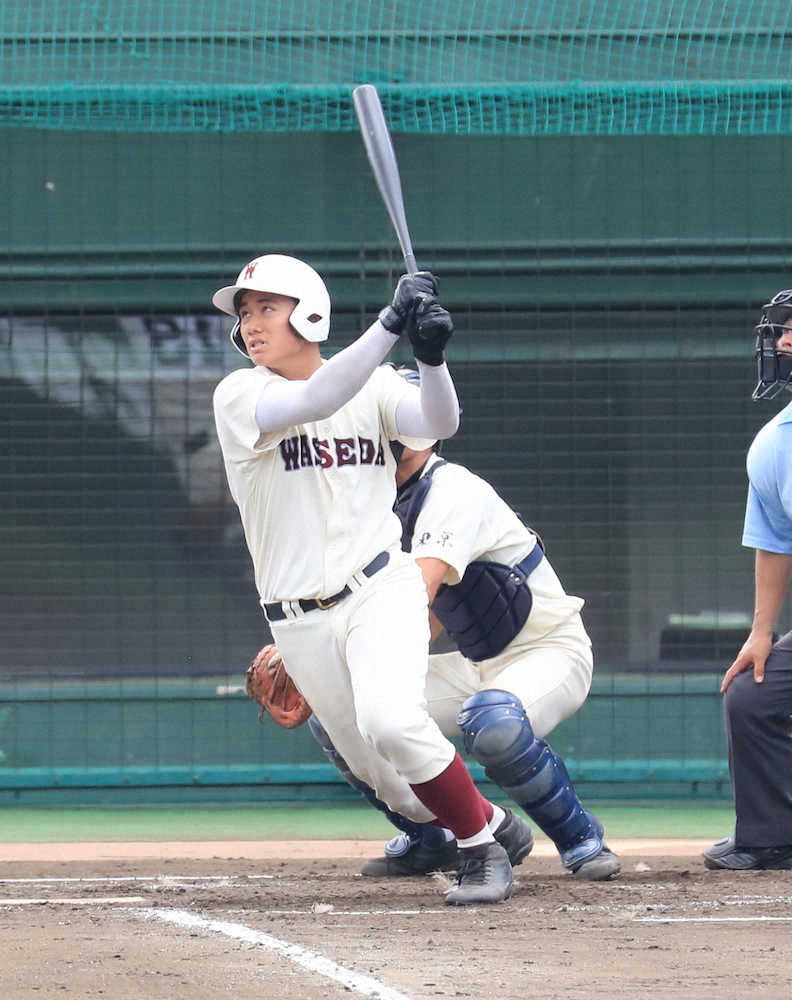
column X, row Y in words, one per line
column 405, row 855
column 484, row 876
column 515, row 836
column 725, row 854
column 590, row 858
column 602, row 866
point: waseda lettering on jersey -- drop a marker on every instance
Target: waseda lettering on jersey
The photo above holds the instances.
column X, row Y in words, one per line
column 298, row 453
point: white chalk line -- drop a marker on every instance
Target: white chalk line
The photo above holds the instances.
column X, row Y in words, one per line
column 139, row 878
column 306, row 959
column 708, row 920
column 699, row 904
column 331, row 911
column 625, row 908
column 79, row 901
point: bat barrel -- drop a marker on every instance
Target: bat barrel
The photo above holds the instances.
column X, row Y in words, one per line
column 382, row 158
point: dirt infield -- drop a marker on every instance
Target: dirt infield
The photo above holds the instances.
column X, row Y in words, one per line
column 277, row 850
column 296, row 922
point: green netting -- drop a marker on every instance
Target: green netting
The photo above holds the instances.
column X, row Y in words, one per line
column 449, row 66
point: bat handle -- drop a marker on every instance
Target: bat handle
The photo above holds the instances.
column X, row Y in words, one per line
column 409, row 262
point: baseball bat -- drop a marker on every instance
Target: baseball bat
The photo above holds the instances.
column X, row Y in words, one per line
column 381, row 156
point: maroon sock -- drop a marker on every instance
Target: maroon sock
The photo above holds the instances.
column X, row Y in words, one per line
column 454, row 799
column 488, row 812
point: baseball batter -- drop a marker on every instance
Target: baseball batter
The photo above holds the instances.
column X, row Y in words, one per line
column 305, row 446
column 523, row 665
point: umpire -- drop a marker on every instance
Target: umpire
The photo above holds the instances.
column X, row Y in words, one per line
column 758, row 685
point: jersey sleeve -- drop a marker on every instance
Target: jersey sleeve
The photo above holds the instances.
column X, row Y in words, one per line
column 768, row 512
column 234, row 401
column 448, row 525
column 392, row 389
column 766, row 526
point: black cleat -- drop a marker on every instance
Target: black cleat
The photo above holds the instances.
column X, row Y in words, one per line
column 591, row 859
column 602, row 866
column 514, row 835
column 724, row 854
column 406, row 856
column 484, row 876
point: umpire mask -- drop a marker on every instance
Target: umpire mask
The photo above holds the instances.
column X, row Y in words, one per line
column 774, row 367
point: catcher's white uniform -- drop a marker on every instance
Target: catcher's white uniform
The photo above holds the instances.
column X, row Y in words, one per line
column 549, row 663
column 316, row 505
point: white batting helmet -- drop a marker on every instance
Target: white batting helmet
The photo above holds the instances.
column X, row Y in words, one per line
column 281, row 275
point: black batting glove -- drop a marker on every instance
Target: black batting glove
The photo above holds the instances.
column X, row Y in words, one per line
column 429, row 329
column 411, row 290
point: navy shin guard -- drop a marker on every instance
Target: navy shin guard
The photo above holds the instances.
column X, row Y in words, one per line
column 498, row 734
column 415, row 831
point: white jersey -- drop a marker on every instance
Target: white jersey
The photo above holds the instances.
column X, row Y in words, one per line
column 315, row 499
column 463, row 519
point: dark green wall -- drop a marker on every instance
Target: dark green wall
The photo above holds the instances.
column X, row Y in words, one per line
column 604, row 291
column 153, row 220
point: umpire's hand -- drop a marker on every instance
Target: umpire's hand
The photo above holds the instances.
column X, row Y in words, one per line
column 754, row 654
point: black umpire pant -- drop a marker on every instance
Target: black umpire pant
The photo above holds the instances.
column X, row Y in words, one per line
column 759, row 730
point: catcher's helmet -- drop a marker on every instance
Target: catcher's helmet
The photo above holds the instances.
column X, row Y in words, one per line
column 774, row 367
column 281, row 275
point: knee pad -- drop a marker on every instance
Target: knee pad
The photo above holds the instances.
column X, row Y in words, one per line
column 492, row 722
column 497, row 732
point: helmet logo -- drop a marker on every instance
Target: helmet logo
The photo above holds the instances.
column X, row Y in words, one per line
column 250, row 269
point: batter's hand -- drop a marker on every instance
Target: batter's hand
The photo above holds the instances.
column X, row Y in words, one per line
column 411, row 291
column 754, row 654
column 429, row 329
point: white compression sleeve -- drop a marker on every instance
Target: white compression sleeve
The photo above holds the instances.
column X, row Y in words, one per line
column 435, row 413
column 285, row 403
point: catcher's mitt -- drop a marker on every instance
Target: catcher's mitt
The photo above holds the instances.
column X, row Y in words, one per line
column 269, row 685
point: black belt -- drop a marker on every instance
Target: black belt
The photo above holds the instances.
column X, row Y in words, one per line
column 275, row 612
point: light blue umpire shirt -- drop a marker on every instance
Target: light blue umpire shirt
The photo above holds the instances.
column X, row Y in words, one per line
column 768, row 514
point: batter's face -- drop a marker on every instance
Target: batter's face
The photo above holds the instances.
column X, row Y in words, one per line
column 269, row 337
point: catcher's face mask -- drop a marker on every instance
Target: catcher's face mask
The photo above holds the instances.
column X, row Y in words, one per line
column 774, row 360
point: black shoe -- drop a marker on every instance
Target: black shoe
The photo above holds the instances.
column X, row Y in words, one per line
column 515, row 836
column 591, row 859
column 725, row 854
column 601, row 867
column 484, row 876
column 406, row 856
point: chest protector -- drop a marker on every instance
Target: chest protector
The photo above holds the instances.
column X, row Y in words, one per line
column 490, row 604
